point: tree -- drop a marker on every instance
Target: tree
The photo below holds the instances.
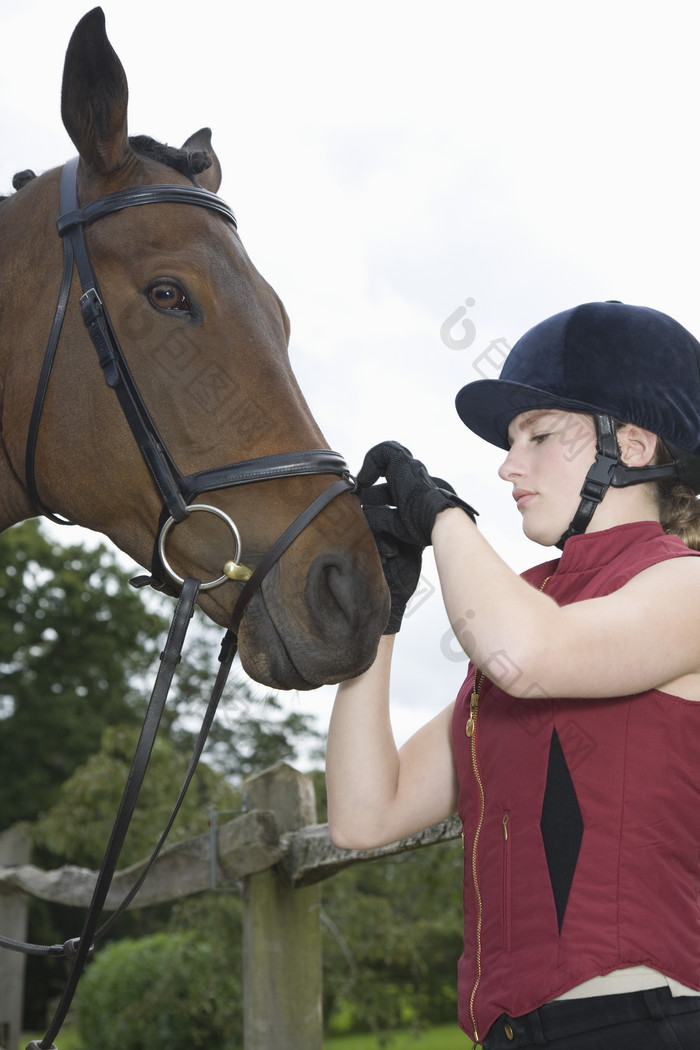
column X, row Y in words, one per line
column 79, row 823
column 78, row 651
column 392, row 936
column 74, row 638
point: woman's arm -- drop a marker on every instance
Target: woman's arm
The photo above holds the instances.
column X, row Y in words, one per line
column 376, row 793
column 643, row 636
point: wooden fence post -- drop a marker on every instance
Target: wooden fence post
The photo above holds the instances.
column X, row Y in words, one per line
column 14, row 849
column 282, row 930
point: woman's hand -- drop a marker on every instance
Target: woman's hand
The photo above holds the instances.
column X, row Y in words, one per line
column 407, row 504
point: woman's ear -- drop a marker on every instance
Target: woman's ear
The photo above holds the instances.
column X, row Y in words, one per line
column 638, row 446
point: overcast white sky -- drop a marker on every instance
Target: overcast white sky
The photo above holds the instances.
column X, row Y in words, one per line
column 391, row 162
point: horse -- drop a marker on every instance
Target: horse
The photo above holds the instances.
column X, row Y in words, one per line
column 195, row 344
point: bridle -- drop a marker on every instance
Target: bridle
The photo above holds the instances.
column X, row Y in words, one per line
column 178, row 492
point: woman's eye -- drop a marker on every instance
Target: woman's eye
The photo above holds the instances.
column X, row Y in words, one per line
column 539, row 438
column 168, row 296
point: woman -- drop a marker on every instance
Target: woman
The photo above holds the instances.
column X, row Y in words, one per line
column 572, row 751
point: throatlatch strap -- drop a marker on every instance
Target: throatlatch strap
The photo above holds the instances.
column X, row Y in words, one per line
column 45, row 376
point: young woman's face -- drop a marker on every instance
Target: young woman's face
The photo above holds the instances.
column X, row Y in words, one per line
column 550, row 454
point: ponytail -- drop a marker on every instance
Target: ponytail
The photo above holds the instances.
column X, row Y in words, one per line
column 679, row 511
column 679, row 507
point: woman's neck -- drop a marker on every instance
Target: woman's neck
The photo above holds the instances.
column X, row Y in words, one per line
column 622, row 506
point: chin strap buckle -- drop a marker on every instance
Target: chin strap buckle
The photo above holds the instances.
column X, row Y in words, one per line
column 599, row 477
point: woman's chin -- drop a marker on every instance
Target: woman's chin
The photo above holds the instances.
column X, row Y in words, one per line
column 545, row 535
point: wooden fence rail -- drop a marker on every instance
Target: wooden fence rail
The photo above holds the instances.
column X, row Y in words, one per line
column 276, row 852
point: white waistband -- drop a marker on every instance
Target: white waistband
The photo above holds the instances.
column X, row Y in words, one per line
column 632, row 979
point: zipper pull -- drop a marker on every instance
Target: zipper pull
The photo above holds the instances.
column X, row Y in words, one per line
column 473, row 708
column 506, row 818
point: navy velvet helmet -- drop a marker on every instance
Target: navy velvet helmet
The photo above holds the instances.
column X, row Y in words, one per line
column 609, row 360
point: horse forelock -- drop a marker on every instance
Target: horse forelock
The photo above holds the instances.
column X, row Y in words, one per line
column 188, row 163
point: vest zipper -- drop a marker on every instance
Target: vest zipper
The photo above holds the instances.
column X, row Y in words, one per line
column 506, row 882
column 470, row 730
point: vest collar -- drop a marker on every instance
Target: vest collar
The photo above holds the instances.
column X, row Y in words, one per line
column 595, row 549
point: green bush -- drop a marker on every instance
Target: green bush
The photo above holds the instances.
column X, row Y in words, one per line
column 168, row 989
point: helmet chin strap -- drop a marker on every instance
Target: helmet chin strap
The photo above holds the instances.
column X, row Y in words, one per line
column 608, row 469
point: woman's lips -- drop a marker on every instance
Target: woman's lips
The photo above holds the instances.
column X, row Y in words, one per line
column 522, row 497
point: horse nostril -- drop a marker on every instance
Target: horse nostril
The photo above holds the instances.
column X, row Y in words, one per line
column 336, row 593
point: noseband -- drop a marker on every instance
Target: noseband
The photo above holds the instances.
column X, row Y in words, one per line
column 178, row 492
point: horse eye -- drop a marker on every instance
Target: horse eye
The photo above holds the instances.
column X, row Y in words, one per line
column 168, row 296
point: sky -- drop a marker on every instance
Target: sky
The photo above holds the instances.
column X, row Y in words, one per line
column 421, row 183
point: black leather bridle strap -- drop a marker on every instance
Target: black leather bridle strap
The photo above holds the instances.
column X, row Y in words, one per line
column 177, row 492
column 137, row 195
column 99, row 325
column 117, row 374
column 43, row 383
column 170, row 657
column 279, row 547
column 80, row 948
column 248, row 472
column 100, row 328
column 226, row 656
column 264, row 468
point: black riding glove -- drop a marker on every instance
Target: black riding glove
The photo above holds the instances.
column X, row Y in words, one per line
column 401, row 563
column 417, row 497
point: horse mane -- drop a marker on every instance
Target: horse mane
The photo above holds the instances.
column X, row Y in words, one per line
column 187, row 162
column 19, row 180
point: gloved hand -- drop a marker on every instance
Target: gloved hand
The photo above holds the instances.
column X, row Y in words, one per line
column 417, row 497
column 401, row 563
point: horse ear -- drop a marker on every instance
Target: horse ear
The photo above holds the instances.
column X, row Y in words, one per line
column 94, row 96
column 210, row 177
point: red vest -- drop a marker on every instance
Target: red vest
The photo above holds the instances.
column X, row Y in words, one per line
column 581, row 818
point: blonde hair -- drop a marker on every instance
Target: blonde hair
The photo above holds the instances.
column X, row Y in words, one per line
column 679, row 507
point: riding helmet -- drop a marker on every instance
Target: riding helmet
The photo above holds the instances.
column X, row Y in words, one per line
column 615, row 362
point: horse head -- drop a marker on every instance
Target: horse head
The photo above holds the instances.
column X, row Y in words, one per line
column 206, row 342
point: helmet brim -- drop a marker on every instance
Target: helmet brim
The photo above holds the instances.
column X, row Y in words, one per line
column 488, row 407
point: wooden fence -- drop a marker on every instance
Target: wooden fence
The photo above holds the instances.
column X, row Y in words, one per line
column 275, row 850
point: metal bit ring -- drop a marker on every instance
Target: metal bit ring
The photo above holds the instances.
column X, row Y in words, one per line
column 219, row 514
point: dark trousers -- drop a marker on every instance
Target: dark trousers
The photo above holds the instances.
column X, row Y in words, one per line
column 650, row 1020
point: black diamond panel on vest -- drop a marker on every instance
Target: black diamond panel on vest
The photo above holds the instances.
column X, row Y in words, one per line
column 561, row 825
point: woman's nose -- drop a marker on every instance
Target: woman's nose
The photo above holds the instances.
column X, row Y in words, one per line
column 511, row 467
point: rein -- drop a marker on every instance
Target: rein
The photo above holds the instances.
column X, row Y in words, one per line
column 177, row 492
